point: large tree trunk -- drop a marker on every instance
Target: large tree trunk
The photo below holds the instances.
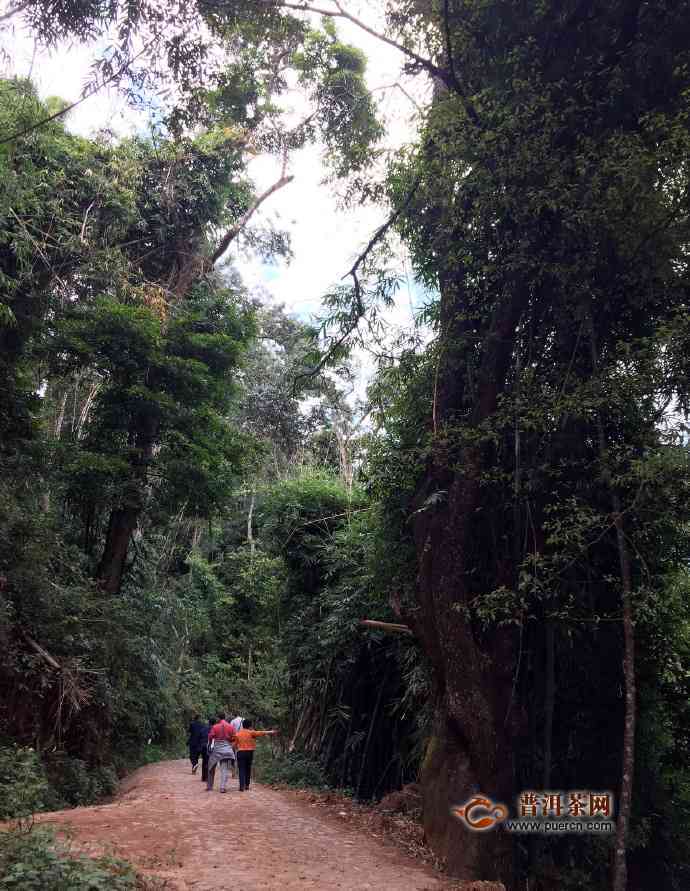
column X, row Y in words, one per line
column 470, row 750
column 476, row 721
column 144, row 432
column 124, row 517
column 123, row 522
column 450, row 776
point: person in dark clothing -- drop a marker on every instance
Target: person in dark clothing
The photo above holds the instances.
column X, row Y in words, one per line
column 198, row 738
column 205, row 752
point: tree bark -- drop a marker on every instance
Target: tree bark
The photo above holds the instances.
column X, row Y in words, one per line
column 471, row 748
column 300, row 723
column 60, row 416
column 123, row 522
column 125, row 517
column 344, row 454
column 86, row 409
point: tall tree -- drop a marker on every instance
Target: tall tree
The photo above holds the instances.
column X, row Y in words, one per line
column 549, row 189
column 198, row 201
column 45, row 200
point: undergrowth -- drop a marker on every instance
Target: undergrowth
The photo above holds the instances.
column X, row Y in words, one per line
column 35, row 861
column 30, row 784
column 290, row 769
column 31, row 857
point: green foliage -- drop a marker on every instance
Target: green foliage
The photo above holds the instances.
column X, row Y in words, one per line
column 44, row 196
column 542, row 202
column 224, row 66
column 291, row 769
column 346, row 115
column 23, row 783
column 74, row 782
column 545, row 203
column 272, row 382
column 136, row 392
column 300, row 514
column 34, row 860
column 356, row 698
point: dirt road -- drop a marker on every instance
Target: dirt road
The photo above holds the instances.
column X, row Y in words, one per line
column 165, row 823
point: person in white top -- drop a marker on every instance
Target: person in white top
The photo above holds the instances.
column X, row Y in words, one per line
column 237, row 723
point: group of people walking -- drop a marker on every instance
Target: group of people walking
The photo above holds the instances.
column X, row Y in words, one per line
column 230, row 744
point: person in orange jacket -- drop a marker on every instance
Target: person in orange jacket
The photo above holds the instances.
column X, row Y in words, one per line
column 244, row 743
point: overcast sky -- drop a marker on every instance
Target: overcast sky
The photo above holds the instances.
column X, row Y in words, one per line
column 325, row 239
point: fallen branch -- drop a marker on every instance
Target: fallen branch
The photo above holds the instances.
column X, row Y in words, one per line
column 392, row 627
column 71, row 695
column 44, row 654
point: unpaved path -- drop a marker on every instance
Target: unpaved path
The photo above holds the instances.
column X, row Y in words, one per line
column 166, row 824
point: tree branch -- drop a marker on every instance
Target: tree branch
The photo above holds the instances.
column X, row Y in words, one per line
column 398, row 86
column 452, row 81
column 92, row 92
column 383, row 229
column 16, row 9
column 341, row 13
column 447, row 76
column 359, row 309
column 235, row 230
column 449, row 42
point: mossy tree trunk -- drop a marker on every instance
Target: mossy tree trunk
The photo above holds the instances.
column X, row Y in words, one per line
column 477, row 718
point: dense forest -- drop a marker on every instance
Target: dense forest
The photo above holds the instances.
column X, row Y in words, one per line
column 196, row 511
